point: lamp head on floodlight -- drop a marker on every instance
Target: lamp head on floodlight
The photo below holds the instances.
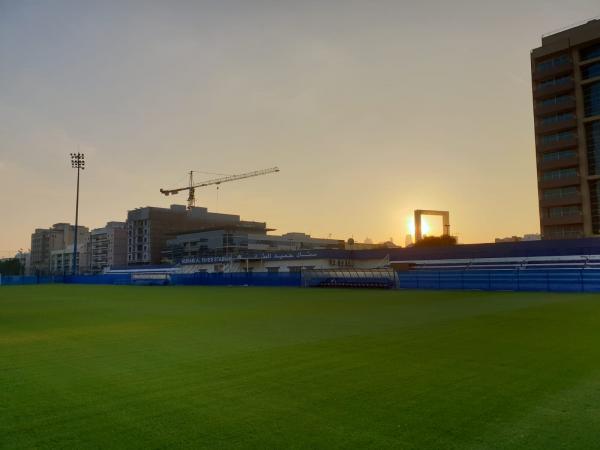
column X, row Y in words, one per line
column 78, row 161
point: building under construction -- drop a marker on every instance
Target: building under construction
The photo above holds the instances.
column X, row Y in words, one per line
column 149, row 229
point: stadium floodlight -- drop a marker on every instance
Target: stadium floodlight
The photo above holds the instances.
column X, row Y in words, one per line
column 77, row 162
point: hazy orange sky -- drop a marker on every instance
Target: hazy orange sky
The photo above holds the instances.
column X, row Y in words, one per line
column 370, row 108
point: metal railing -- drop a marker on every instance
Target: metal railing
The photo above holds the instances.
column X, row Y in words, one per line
column 515, row 279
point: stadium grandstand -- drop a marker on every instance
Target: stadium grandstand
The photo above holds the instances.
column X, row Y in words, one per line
column 571, row 253
column 557, row 265
column 566, row 265
column 353, row 278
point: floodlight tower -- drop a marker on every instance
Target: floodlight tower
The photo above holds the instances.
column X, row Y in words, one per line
column 77, row 162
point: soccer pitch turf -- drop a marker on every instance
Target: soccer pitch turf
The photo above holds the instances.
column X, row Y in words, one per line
column 267, row 368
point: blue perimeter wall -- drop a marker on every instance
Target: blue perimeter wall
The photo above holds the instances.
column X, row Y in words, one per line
column 197, row 279
column 550, row 280
column 553, row 280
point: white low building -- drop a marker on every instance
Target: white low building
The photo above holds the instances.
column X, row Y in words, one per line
column 61, row 261
column 279, row 262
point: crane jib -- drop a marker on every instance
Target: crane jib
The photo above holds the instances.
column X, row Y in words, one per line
column 218, row 181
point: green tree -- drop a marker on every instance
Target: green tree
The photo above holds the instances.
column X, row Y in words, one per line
column 11, row 267
column 436, row 241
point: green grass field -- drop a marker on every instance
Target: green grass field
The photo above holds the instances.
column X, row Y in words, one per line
column 175, row 367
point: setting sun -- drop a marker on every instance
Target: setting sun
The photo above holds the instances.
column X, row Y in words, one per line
column 425, row 228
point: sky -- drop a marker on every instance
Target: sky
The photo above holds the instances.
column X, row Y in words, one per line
column 371, row 109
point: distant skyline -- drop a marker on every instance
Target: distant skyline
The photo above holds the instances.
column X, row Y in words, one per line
column 370, row 109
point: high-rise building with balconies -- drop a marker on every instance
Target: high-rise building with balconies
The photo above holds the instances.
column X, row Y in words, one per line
column 566, row 98
column 44, row 241
column 108, row 246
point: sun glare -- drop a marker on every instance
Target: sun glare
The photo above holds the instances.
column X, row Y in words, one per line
column 425, row 227
column 411, row 226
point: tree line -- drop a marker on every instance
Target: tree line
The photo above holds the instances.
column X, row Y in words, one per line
column 11, row 267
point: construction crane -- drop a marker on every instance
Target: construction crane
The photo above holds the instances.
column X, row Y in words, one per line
column 216, row 181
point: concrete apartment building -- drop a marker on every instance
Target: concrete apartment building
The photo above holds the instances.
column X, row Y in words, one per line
column 566, row 99
column 44, row 241
column 108, row 246
column 25, row 261
column 61, row 261
column 149, row 229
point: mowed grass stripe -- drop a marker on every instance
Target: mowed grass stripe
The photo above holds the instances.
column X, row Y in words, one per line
column 128, row 367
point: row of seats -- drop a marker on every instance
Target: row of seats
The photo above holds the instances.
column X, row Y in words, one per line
column 574, row 262
column 381, row 283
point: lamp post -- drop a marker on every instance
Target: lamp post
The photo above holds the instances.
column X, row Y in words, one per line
column 77, row 162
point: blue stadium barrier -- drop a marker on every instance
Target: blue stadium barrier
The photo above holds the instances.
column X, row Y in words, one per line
column 16, row 280
column 291, row 279
column 551, row 280
column 10, row 280
column 124, row 279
